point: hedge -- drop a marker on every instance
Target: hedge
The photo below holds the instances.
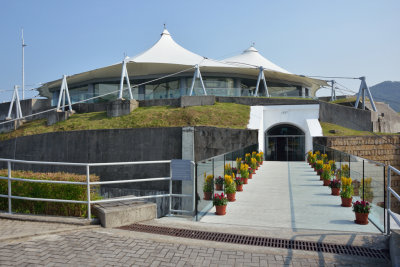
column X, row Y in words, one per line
column 43, row 190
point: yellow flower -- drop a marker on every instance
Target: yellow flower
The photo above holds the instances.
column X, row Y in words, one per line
column 345, row 167
column 346, row 181
column 228, row 179
column 209, row 179
column 317, row 153
column 326, row 168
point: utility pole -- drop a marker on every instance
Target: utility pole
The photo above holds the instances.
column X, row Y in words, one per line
column 23, row 65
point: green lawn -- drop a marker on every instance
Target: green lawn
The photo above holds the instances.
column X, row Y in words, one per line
column 226, row 115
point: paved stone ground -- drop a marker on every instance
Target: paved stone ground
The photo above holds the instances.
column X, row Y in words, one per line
column 14, row 229
column 105, row 247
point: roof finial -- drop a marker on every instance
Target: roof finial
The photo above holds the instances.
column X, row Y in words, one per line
column 165, row 26
column 253, row 44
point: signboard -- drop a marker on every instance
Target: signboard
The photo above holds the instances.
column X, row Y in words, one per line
column 181, row 170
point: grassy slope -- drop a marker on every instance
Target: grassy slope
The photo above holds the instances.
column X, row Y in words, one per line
column 340, row 130
column 219, row 115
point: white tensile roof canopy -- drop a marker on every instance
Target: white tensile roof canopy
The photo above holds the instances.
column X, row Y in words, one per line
column 251, row 57
column 167, row 57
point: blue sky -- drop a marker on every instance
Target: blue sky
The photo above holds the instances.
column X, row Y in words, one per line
column 327, row 38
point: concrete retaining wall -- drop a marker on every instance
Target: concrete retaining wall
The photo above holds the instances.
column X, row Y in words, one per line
column 211, row 141
column 28, row 107
column 348, row 117
column 183, row 101
column 119, row 145
column 263, row 101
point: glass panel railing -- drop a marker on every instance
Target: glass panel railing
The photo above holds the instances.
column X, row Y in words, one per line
column 368, row 180
column 215, row 166
column 204, row 168
column 356, row 174
column 373, row 190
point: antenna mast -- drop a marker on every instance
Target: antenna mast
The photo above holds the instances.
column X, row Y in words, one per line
column 23, row 65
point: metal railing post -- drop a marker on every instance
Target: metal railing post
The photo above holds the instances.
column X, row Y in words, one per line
column 9, row 186
column 384, row 198
column 194, row 189
column 170, row 189
column 363, row 181
column 388, row 202
column 88, row 191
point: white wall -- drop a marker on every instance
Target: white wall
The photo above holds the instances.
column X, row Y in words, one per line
column 305, row 117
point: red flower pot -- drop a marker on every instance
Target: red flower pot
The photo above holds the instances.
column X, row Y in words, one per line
column 239, row 188
column 207, row 195
column 335, row 191
column 254, row 171
column 346, row 202
column 220, row 210
column 250, row 175
column 231, row 197
column 320, row 178
column 218, row 187
column 261, row 162
column 244, row 180
column 361, row 218
column 327, row 182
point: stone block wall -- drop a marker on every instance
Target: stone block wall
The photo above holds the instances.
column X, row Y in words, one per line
column 384, row 149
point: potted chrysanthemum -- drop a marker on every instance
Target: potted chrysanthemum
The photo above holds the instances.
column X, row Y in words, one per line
column 361, row 209
column 319, row 164
column 219, row 182
column 335, row 187
column 326, row 174
column 253, row 165
column 220, row 202
column 239, row 184
column 244, row 173
column 230, row 188
column 346, row 193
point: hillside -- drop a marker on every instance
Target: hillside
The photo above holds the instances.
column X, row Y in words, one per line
column 226, row 115
column 388, row 92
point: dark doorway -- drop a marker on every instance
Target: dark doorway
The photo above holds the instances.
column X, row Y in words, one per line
column 284, row 142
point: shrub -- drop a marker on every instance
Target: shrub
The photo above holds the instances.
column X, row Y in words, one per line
column 52, row 191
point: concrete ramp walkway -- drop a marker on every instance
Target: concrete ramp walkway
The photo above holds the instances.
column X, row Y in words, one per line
column 288, row 195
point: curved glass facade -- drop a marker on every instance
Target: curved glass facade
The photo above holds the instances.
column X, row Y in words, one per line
column 180, row 86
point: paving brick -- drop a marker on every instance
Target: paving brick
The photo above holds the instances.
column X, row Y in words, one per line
column 91, row 247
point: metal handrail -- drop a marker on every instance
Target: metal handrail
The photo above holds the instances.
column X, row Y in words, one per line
column 88, row 183
column 390, row 192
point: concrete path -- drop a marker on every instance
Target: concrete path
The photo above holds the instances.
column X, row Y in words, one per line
column 288, row 195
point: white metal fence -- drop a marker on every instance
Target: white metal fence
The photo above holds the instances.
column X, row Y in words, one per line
column 390, row 192
column 88, row 183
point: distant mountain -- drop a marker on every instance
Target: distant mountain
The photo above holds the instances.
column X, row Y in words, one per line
column 388, row 92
